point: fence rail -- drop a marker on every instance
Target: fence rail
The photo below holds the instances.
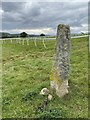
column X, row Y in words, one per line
column 22, row 40
column 45, row 37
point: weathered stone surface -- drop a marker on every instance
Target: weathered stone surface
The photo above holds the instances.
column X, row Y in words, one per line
column 61, row 64
column 49, row 97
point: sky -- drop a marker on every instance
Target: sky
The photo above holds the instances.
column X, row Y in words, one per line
column 35, row 17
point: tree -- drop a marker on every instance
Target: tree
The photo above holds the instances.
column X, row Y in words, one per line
column 42, row 34
column 23, row 34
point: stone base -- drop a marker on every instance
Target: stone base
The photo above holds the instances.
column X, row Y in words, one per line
column 61, row 89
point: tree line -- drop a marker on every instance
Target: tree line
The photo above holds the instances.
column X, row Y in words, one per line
column 23, row 34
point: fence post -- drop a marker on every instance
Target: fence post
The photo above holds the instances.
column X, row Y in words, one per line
column 89, row 43
column 60, row 69
column 11, row 40
column 35, row 42
column 2, row 41
column 23, row 41
column 19, row 41
column 44, row 43
column 27, row 41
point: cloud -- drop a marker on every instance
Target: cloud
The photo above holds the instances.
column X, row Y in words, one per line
column 39, row 17
column 44, row 1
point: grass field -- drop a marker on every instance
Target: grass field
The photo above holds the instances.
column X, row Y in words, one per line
column 26, row 70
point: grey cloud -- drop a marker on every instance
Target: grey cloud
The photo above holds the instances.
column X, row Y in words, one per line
column 43, row 14
column 11, row 6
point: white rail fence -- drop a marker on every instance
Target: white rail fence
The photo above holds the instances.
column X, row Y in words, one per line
column 35, row 39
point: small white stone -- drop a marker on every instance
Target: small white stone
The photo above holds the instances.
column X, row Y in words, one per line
column 49, row 97
column 44, row 91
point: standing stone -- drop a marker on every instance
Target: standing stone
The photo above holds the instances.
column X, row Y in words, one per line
column 60, row 69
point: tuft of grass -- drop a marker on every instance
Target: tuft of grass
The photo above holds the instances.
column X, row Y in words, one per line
column 53, row 113
column 29, row 95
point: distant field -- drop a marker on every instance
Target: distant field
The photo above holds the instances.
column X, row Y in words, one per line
column 26, row 70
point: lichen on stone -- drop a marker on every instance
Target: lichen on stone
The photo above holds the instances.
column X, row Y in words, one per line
column 54, row 76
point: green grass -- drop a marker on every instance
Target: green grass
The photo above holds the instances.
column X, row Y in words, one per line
column 26, row 70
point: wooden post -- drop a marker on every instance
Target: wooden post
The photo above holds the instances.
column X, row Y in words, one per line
column 60, row 69
column 11, row 40
column 44, row 43
column 35, row 42
column 23, row 41
column 27, row 41
column 89, row 43
column 19, row 41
